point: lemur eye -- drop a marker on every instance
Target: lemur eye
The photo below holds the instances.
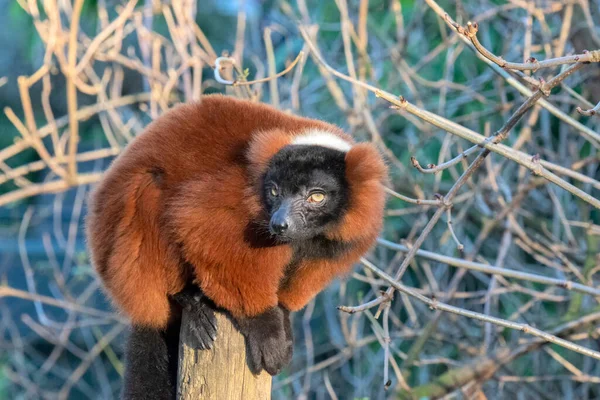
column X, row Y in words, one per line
column 274, row 192
column 316, row 198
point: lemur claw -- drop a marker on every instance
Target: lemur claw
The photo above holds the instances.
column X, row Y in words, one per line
column 202, row 321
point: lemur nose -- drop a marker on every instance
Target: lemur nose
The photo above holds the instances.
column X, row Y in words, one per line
column 279, row 221
column 279, row 225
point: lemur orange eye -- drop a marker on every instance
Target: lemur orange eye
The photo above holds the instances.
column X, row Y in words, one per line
column 274, row 192
column 316, row 198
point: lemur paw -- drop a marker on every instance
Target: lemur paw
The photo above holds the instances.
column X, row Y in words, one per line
column 268, row 340
column 202, row 321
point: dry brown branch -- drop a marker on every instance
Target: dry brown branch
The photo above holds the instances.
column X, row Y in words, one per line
column 6, row 291
column 525, row 328
column 48, row 187
column 532, row 64
column 71, row 75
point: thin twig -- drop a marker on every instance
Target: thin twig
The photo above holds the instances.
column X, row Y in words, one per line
column 589, row 112
column 432, row 168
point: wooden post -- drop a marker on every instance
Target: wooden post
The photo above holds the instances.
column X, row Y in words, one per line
column 220, row 373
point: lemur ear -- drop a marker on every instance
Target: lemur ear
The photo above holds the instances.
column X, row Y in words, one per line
column 263, row 146
column 364, row 163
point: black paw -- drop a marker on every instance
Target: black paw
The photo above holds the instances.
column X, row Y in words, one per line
column 268, row 340
column 202, row 320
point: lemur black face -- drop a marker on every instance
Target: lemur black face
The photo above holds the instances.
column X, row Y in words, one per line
column 304, row 191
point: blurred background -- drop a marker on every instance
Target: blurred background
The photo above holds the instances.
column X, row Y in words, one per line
column 79, row 79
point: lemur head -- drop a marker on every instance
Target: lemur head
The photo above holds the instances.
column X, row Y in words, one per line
column 305, row 190
column 317, row 182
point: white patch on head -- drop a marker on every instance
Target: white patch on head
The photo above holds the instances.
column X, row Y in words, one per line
column 324, row 139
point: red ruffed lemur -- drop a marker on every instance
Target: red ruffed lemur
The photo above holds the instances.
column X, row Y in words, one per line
column 231, row 204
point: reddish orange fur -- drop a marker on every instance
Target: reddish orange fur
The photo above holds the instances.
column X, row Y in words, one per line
column 365, row 172
column 185, row 190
